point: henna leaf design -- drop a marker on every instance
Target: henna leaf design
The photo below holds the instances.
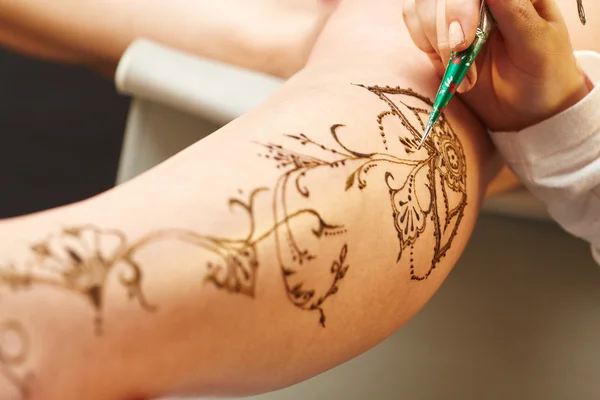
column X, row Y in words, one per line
column 79, row 260
column 440, row 174
column 427, row 193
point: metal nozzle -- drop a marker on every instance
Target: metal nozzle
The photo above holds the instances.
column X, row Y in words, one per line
column 486, row 22
column 426, row 133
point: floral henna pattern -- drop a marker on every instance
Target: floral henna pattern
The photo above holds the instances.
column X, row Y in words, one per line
column 427, row 186
column 79, row 260
column 427, row 195
column 432, row 198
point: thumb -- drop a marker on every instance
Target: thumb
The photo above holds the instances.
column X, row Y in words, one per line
column 521, row 21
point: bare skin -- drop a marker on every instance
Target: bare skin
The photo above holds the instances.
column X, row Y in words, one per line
column 293, row 239
column 104, row 43
column 215, row 306
column 270, row 36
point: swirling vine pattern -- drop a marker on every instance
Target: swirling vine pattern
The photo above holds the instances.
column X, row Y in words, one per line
column 430, row 198
column 427, row 194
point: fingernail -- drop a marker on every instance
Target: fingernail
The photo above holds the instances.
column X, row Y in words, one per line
column 456, row 36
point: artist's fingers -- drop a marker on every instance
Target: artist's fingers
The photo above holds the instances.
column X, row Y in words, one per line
column 549, row 10
column 529, row 28
column 426, row 11
column 462, row 17
column 418, row 36
column 441, row 28
column 415, row 28
column 469, row 81
column 432, row 15
column 517, row 20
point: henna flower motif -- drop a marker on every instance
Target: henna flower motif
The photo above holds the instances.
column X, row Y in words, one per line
column 235, row 269
column 450, row 162
column 409, row 215
column 80, row 260
column 432, row 200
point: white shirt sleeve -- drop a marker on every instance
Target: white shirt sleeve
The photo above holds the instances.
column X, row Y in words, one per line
column 558, row 160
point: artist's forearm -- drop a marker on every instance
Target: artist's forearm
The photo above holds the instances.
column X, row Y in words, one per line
column 292, row 240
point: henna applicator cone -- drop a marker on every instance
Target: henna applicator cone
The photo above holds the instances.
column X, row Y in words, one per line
column 459, row 64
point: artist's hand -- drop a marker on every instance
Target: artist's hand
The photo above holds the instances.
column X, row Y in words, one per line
column 526, row 72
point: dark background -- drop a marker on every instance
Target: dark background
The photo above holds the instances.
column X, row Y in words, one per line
column 61, row 129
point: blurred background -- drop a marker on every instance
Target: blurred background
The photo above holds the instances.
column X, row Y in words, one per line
column 61, row 130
